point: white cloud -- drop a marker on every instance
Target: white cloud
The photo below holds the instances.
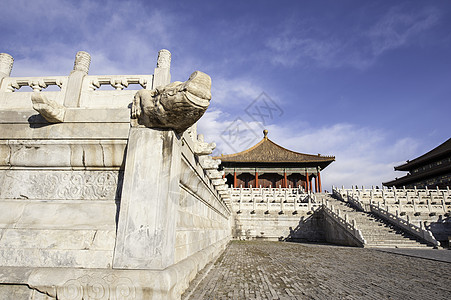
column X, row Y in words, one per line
column 397, row 28
column 233, row 91
column 231, row 135
column 323, row 47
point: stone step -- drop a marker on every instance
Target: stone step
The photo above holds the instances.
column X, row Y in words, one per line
column 395, row 246
column 376, row 231
column 408, row 242
column 387, row 234
column 378, row 239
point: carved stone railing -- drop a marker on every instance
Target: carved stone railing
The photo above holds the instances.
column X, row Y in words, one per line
column 207, row 165
column 405, row 224
column 348, row 198
column 343, row 221
column 281, row 200
column 415, row 201
column 395, row 219
column 118, row 82
column 37, row 84
column 78, row 89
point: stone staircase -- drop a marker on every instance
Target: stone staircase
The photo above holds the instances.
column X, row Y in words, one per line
column 376, row 232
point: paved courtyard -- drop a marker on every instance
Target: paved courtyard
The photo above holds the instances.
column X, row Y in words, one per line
column 276, row 270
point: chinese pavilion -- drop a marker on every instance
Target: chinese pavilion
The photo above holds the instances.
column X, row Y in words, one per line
column 428, row 170
column 267, row 164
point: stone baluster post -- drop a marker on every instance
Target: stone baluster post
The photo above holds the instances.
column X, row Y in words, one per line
column 354, row 224
column 414, row 203
column 241, row 193
column 162, row 73
column 281, row 204
column 75, row 80
column 428, row 202
column 267, row 204
column 6, row 66
column 309, row 203
column 240, row 205
column 444, row 202
column 400, row 205
column 192, row 132
column 254, row 205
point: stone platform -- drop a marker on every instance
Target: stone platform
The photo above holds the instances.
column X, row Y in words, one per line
column 278, row 270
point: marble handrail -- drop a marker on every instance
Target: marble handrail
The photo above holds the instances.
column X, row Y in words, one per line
column 423, row 200
column 119, row 82
column 405, row 224
column 12, row 84
column 350, row 227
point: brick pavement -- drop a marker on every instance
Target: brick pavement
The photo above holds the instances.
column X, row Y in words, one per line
column 276, row 270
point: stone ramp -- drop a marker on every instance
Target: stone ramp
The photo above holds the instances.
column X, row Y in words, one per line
column 281, row 270
column 376, row 232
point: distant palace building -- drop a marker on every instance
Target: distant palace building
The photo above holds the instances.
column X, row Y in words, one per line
column 269, row 165
column 428, row 170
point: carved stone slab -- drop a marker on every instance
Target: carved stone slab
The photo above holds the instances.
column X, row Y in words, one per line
column 64, row 185
column 146, row 229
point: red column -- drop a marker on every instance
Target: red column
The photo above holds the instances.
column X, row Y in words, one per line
column 316, row 184
column 256, row 179
column 307, row 182
column 234, row 179
column 285, row 179
column 319, row 181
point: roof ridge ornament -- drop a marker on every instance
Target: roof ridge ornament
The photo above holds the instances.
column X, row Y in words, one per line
column 265, row 133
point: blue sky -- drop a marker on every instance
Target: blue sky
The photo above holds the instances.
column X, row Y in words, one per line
column 366, row 81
